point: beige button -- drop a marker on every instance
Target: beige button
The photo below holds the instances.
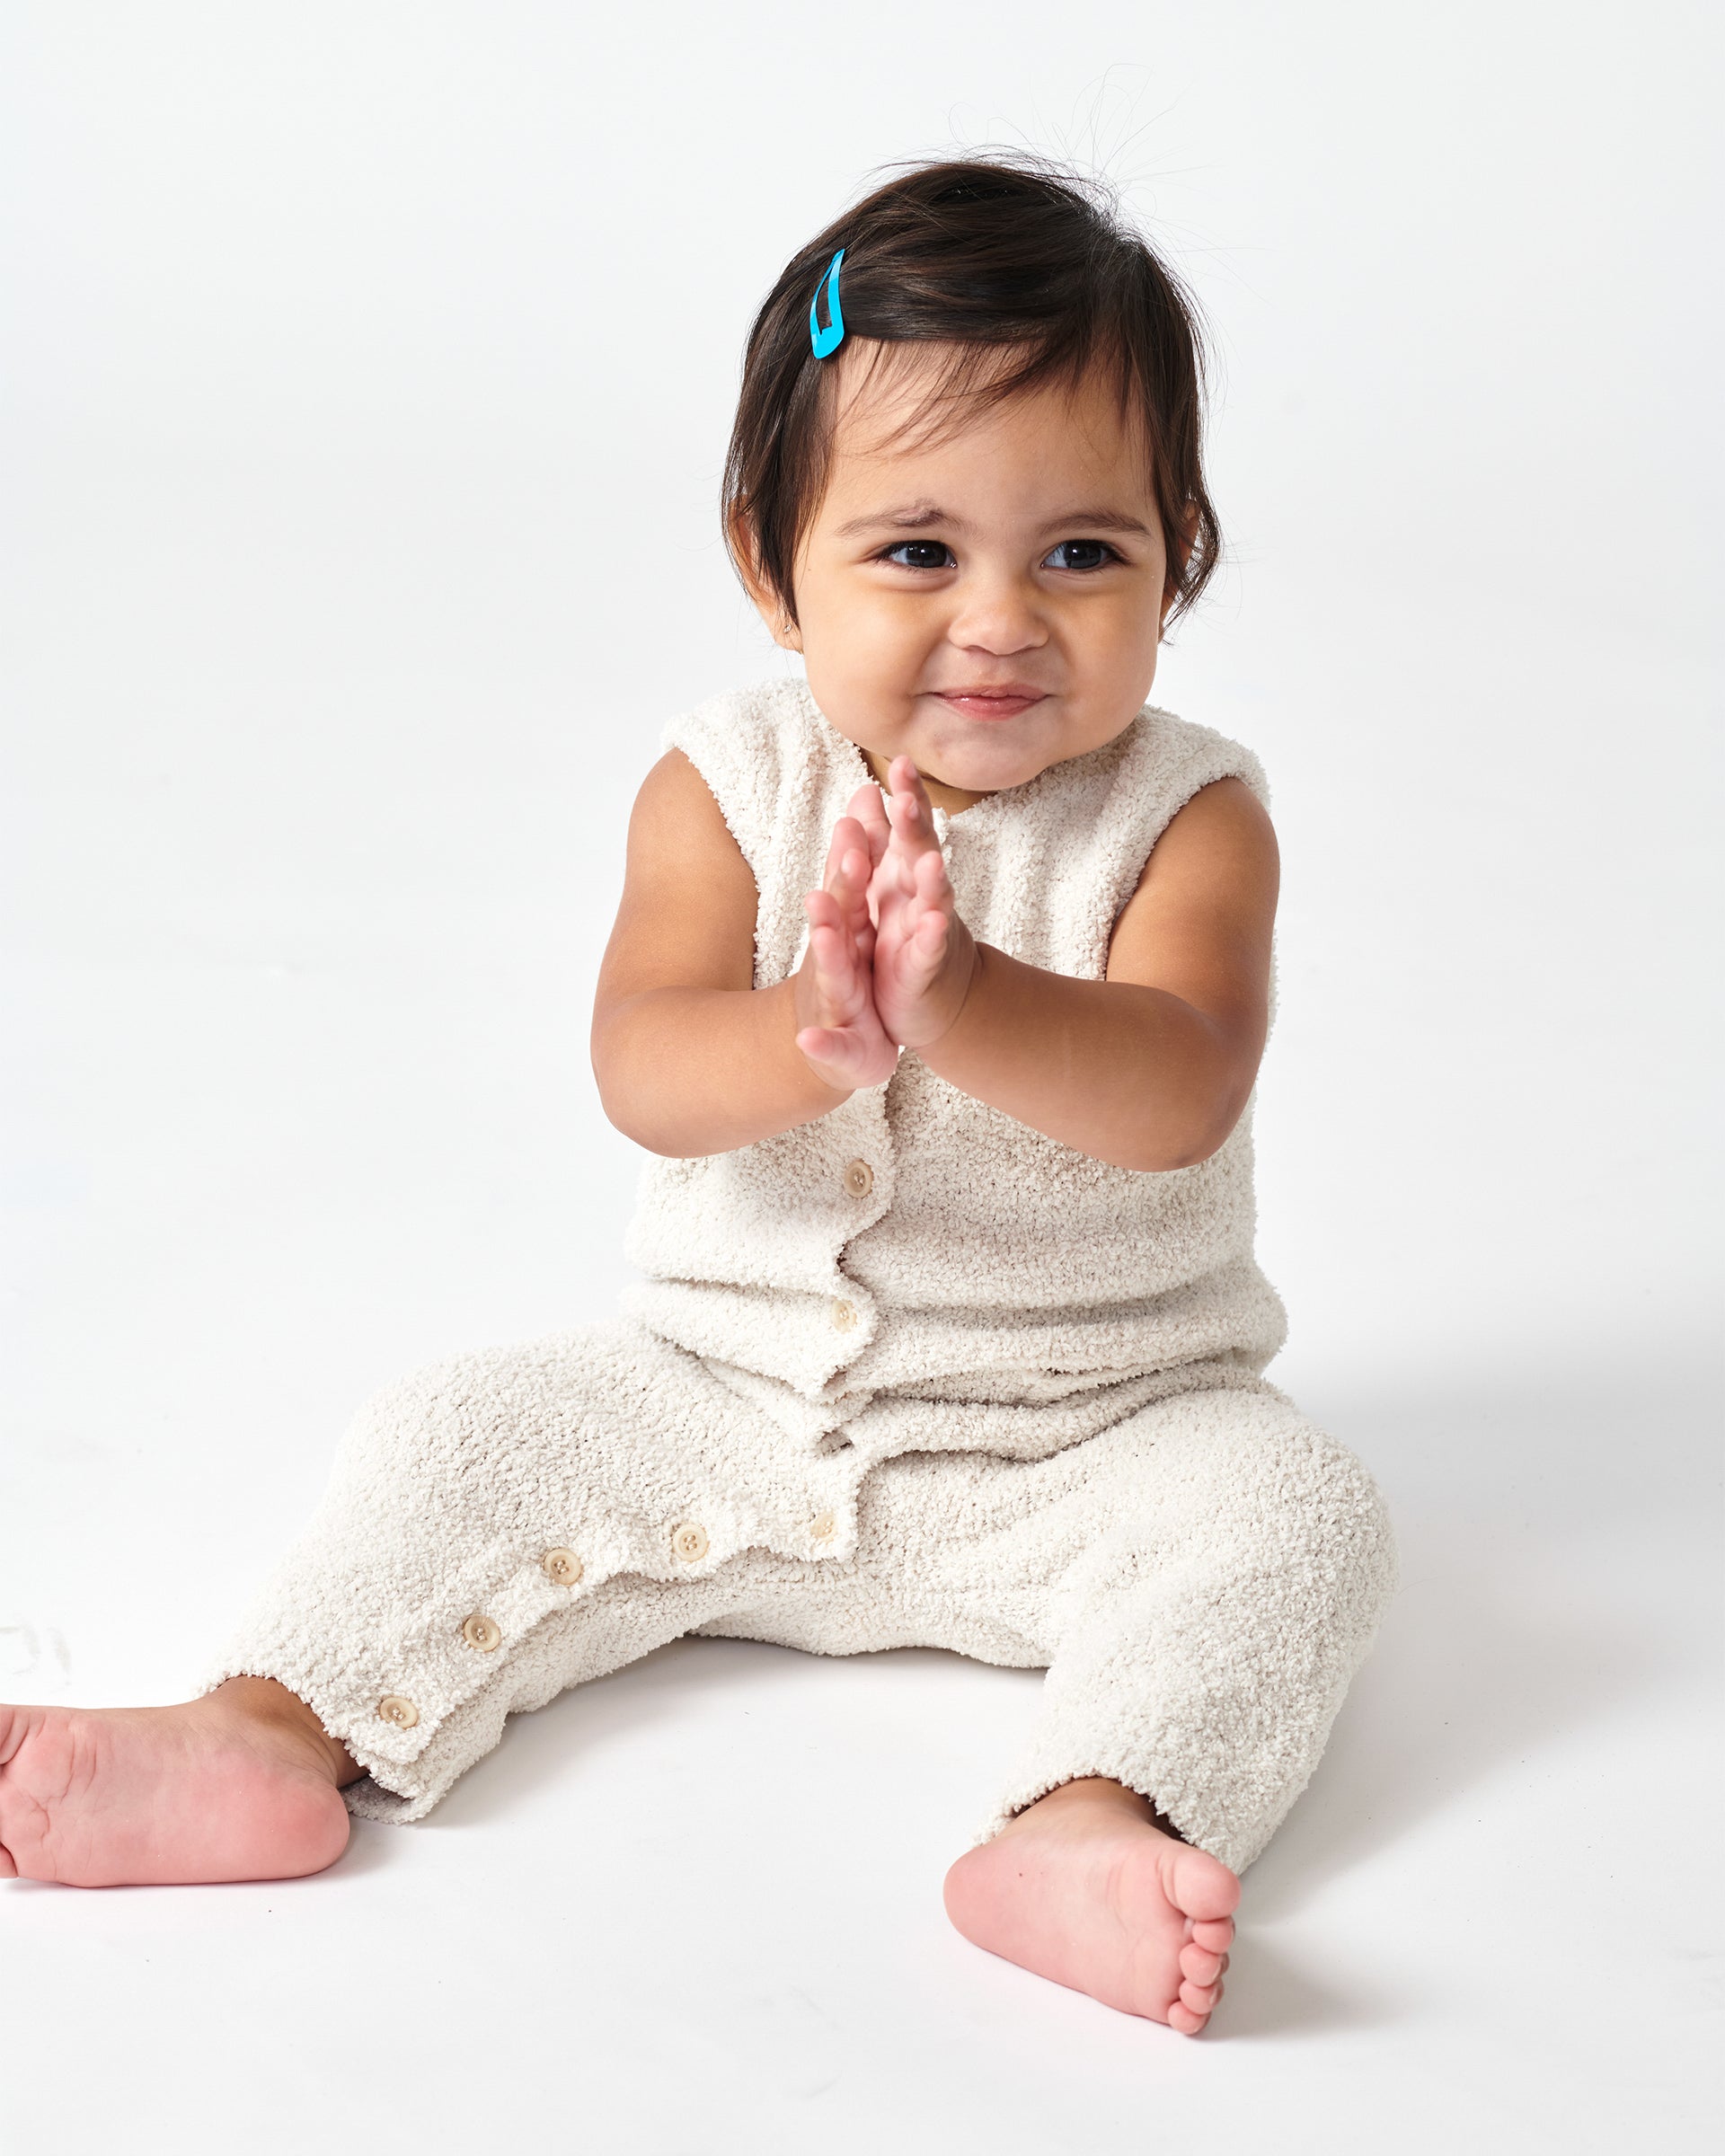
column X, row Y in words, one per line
column 859, row 1179
column 481, row 1632
column 689, row 1542
column 395, row 1709
column 844, row 1315
column 562, row 1566
column 822, row 1526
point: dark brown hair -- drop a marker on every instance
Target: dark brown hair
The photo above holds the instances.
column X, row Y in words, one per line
column 1033, row 275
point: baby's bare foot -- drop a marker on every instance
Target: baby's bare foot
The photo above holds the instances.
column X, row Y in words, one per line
column 242, row 1784
column 1084, row 1888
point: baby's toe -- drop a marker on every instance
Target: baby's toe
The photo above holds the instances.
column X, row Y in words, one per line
column 1182, row 2018
column 1197, row 1965
column 1215, row 1933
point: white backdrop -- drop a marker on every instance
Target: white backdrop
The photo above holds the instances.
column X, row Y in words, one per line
column 368, row 376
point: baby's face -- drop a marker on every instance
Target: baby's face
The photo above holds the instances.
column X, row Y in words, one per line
column 987, row 604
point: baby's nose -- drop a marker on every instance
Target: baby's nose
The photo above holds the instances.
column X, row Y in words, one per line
column 999, row 619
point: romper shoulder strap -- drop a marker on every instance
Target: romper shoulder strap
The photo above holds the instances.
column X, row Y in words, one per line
column 782, row 775
column 1164, row 761
column 1045, row 869
column 1170, row 759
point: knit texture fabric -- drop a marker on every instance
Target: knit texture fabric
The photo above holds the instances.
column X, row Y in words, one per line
column 979, row 1246
column 1202, row 1570
column 913, row 1373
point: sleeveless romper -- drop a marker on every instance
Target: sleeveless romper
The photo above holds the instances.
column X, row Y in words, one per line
column 911, row 1374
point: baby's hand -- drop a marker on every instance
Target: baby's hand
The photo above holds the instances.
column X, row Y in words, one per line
column 923, row 954
column 838, row 1028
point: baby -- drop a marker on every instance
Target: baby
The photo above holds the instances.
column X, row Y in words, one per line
column 949, row 1330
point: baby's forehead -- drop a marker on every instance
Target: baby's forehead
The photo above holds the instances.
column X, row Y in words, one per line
column 905, row 407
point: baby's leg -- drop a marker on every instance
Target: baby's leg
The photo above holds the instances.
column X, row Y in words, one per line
column 1204, row 1578
column 498, row 1527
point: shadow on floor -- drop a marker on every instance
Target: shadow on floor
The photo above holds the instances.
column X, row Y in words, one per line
column 664, row 1688
column 1271, row 1998
column 1542, row 1532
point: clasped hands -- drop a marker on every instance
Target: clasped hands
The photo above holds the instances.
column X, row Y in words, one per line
column 889, row 963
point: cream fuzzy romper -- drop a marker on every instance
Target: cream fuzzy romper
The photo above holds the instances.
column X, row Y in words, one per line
column 910, row 1375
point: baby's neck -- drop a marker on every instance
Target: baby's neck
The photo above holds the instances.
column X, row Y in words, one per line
column 952, row 799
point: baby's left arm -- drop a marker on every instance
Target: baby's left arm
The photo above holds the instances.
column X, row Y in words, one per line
column 1148, row 1068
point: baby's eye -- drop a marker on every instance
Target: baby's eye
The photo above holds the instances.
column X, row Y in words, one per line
column 1082, row 554
column 921, row 553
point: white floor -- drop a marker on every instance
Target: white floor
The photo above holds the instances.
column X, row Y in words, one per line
column 697, row 1906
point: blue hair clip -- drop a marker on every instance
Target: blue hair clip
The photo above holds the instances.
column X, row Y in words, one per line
column 826, row 342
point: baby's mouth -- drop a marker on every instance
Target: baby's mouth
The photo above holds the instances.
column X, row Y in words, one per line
column 1004, row 703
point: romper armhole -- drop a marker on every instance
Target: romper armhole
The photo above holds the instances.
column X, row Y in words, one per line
column 1166, row 761
column 779, row 774
column 1185, row 758
column 1207, row 756
column 732, row 743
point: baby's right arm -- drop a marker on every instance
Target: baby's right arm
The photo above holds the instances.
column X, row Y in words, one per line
column 691, row 1059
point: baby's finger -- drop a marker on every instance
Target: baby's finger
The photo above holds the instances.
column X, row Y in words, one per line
column 915, row 959
column 832, row 1051
column 841, row 1056
column 913, row 829
column 910, row 795
column 837, row 982
column 835, row 847
column 924, row 887
column 828, row 909
column 829, row 933
column 823, row 910
column 822, row 1044
column 870, row 808
column 911, row 820
column 924, row 949
column 903, row 776
column 848, row 838
column 930, row 878
column 849, row 885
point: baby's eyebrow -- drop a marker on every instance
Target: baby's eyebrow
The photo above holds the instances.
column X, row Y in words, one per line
column 1099, row 520
column 914, row 516
column 917, row 517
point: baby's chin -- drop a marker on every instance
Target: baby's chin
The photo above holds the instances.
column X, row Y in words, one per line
column 985, row 756
column 975, row 756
